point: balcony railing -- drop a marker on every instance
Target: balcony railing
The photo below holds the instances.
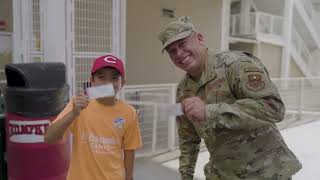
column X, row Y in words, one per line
column 157, row 127
column 259, row 23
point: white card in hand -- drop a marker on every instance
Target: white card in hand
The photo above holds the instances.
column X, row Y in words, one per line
column 171, row 109
column 100, row 91
column 179, row 110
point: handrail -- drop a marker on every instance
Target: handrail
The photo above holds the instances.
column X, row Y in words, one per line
column 260, row 22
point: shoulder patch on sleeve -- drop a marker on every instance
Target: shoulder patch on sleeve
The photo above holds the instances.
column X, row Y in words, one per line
column 255, row 82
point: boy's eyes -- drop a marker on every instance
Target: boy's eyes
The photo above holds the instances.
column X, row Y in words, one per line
column 104, row 77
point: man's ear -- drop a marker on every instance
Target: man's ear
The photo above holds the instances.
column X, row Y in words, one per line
column 200, row 38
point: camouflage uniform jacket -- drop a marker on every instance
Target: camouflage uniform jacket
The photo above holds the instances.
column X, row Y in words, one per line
column 242, row 107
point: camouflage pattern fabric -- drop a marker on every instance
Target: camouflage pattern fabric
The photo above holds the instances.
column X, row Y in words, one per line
column 242, row 108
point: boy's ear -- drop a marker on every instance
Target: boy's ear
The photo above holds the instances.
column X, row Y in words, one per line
column 91, row 79
column 123, row 81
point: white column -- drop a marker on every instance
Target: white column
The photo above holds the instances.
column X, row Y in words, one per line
column 258, row 45
column 225, row 28
column 122, row 24
column 172, row 120
column 287, row 33
column 54, row 30
column 116, row 27
column 245, row 16
column 16, row 35
column 21, row 31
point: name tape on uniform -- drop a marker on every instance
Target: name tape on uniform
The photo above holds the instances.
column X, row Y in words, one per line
column 100, row 91
column 171, row 109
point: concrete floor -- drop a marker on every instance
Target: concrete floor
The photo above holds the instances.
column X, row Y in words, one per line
column 147, row 169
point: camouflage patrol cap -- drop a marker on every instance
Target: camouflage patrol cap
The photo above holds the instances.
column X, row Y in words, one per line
column 175, row 30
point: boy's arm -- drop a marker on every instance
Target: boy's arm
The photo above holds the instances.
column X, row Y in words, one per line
column 57, row 128
column 129, row 163
column 131, row 142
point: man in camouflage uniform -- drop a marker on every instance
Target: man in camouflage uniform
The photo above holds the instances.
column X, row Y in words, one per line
column 229, row 101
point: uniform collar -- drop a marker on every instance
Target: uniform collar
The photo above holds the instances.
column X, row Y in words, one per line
column 207, row 75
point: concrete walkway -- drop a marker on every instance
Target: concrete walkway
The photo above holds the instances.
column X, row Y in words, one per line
column 301, row 139
column 147, row 169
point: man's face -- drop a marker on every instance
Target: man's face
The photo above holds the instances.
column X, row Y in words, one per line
column 186, row 53
column 108, row 75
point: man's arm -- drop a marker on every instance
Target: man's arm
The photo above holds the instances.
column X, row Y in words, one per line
column 129, row 163
column 258, row 101
column 189, row 145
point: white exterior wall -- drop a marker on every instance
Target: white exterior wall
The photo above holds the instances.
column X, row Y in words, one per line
column 240, row 46
column 271, row 56
column 145, row 63
column 295, row 70
column 315, row 63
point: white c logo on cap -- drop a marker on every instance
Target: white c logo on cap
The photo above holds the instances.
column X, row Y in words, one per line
column 113, row 59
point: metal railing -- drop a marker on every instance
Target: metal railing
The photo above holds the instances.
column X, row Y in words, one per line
column 157, row 127
column 259, row 23
column 300, row 95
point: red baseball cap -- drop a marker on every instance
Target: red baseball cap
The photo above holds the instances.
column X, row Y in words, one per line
column 108, row 61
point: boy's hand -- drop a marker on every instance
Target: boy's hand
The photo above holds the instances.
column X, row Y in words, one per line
column 80, row 102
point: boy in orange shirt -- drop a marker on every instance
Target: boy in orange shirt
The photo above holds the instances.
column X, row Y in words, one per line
column 105, row 130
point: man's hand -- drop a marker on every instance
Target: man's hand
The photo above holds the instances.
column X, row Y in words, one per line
column 194, row 108
column 80, row 102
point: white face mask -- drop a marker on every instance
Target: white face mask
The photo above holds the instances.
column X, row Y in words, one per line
column 96, row 92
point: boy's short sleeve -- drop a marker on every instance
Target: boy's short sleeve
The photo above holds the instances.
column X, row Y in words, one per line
column 132, row 137
column 65, row 111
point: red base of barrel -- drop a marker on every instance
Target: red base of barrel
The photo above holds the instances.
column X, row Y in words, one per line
column 28, row 157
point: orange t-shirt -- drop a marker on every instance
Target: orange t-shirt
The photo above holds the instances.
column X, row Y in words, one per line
column 100, row 134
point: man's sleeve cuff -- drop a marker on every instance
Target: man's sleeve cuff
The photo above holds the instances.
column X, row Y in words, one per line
column 211, row 111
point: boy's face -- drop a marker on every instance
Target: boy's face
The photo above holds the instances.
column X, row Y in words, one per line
column 106, row 76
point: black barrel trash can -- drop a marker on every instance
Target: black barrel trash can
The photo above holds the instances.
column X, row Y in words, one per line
column 35, row 94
